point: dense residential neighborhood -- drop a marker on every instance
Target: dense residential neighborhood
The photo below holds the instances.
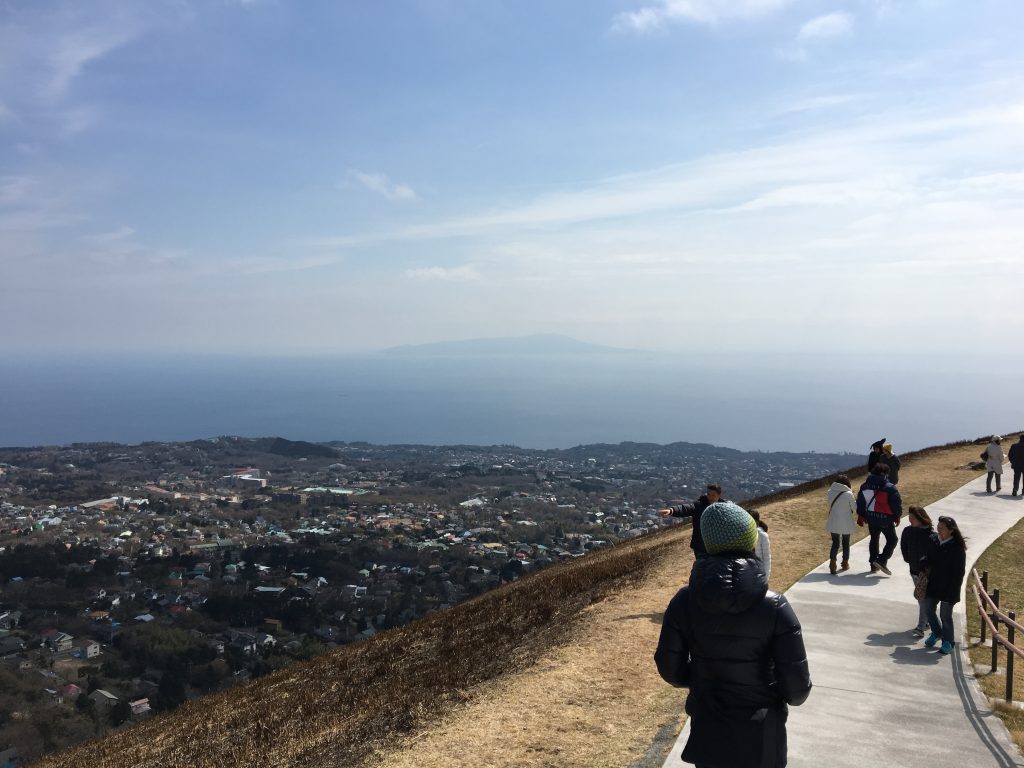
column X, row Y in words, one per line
column 137, row 577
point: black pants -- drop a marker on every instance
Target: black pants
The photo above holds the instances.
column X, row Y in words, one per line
column 836, row 538
column 889, row 531
column 988, row 481
column 1018, row 474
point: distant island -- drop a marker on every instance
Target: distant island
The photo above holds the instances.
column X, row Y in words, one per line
column 539, row 344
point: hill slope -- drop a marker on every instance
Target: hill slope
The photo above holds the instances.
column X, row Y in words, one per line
column 553, row 670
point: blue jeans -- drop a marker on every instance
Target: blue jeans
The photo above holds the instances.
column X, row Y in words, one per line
column 945, row 628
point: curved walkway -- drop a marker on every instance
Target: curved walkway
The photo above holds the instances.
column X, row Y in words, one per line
column 881, row 699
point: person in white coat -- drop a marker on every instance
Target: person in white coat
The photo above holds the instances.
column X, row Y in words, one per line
column 842, row 512
column 994, row 463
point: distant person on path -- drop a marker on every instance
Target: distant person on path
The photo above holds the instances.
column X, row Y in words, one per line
column 712, row 495
column 842, row 511
column 879, row 503
column 914, row 544
column 1016, row 457
column 994, row 463
column 737, row 646
column 947, row 563
column 763, row 550
column 876, row 453
column 893, row 462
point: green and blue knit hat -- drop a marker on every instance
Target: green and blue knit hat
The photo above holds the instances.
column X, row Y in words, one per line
column 727, row 527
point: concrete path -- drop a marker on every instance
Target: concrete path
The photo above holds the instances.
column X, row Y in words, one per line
column 881, row 699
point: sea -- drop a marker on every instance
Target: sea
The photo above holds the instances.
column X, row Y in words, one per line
column 750, row 402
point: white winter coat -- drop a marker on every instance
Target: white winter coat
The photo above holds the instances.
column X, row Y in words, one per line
column 842, row 515
column 764, row 552
column 994, row 462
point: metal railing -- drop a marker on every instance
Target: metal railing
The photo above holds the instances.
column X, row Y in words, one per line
column 991, row 619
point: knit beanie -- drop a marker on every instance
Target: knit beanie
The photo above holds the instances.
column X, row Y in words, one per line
column 726, row 527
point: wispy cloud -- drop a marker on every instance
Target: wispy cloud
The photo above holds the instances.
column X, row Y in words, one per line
column 824, row 27
column 72, row 49
column 664, row 12
column 465, row 273
column 380, row 184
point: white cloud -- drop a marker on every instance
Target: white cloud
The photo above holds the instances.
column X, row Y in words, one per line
column 465, row 273
column 382, row 185
column 666, row 12
column 6, row 113
column 825, row 27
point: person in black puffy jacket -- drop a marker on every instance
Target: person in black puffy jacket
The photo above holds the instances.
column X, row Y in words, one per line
column 737, row 646
column 947, row 565
column 914, row 544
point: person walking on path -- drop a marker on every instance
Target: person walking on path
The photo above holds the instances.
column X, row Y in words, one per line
column 737, row 646
column 876, row 453
column 879, row 503
column 842, row 510
column 763, row 550
column 914, row 544
column 1016, row 457
column 712, row 495
column 994, row 463
column 893, row 462
column 947, row 563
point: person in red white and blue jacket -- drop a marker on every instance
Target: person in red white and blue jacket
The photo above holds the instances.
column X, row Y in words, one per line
column 879, row 503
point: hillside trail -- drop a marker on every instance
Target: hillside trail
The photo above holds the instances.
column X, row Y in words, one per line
column 880, row 697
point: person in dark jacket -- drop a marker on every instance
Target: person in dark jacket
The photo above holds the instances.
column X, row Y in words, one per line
column 737, row 646
column 892, row 461
column 876, row 453
column 694, row 511
column 947, row 563
column 879, row 503
column 914, row 543
column 1016, row 457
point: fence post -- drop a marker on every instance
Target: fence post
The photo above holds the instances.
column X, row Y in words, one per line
column 981, row 607
column 1009, row 659
column 995, row 630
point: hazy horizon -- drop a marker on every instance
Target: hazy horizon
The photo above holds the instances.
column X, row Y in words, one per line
column 823, row 404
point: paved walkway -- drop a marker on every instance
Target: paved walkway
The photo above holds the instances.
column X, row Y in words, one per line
column 880, row 698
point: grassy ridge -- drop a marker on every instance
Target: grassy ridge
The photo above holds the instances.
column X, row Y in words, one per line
column 337, row 709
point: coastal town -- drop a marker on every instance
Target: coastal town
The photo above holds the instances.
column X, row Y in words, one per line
column 137, row 577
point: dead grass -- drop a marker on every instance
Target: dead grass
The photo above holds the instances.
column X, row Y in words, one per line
column 554, row 670
column 1002, row 561
column 575, row 707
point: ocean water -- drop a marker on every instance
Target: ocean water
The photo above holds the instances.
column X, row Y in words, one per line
column 543, row 401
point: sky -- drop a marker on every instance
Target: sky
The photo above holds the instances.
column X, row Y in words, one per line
column 281, row 177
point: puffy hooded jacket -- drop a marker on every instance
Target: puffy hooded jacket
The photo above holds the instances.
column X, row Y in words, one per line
column 738, row 647
column 879, row 502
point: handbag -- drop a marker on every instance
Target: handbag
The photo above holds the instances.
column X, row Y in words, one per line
column 921, row 585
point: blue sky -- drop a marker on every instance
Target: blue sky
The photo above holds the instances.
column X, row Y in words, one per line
column 282, row 176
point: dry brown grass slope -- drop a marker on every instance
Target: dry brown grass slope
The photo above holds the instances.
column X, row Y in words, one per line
column 554, row 670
